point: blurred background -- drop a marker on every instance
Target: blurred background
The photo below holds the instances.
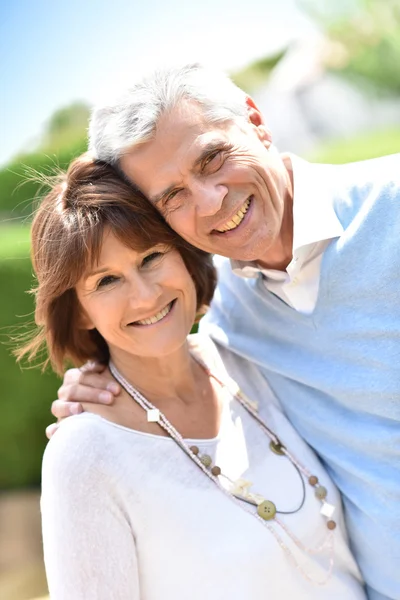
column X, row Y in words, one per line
column 326, row 76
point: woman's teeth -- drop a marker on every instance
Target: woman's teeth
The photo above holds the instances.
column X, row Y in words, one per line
column 160, row 315
column 237, row 219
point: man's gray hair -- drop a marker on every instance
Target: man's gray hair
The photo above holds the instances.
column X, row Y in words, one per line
column 132, row 119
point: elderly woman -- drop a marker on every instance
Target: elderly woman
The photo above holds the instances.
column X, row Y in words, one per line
column 192, row 484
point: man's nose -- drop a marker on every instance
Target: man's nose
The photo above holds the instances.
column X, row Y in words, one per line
column 208, row 198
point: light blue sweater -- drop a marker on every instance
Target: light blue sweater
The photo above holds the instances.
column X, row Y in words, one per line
column 337, row 371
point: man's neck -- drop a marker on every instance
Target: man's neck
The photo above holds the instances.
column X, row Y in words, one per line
column 279, row 255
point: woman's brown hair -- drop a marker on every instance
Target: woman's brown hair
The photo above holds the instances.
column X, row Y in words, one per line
column 66, row 238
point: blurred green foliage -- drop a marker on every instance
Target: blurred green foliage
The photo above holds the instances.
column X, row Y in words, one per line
column 64, row 138
column 366, row 36
column 361, row 147
column 65, row 127
column 19, row 183
column 256, row 74
column 25, row 395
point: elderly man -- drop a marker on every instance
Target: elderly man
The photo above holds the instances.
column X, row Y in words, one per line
column 311, row 293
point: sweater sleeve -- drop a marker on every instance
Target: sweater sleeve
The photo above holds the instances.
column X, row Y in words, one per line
column 89, row 546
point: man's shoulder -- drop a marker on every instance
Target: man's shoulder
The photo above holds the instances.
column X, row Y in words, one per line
column 367, row 188
column 382, row 171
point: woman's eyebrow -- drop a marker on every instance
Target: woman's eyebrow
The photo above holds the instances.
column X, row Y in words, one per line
column 96, row 272
column 158, row 197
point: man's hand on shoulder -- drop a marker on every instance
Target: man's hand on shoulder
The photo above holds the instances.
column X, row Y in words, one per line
column 87, row 384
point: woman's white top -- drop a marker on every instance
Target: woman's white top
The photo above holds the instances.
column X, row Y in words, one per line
column 128, row 516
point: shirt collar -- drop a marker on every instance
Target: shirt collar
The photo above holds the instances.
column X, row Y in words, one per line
column 314, row 217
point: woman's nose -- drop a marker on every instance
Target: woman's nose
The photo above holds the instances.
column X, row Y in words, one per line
column 144, row 292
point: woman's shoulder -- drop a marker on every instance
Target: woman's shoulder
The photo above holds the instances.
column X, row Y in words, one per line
column 78, row 446
column 82, row 430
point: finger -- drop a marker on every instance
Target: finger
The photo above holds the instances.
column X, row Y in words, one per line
column 93, row 367
column 62, row 409
column 100, row 383
column 51, row 429
column 74, row 375
column 86, row 393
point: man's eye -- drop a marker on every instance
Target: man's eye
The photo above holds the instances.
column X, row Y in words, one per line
column 151, row 257
column 209, row 159
column 107, row 280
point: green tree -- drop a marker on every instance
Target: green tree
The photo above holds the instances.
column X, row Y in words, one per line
column 366, row 39
column 65, row 127
column 64, row 138
column 256, row 74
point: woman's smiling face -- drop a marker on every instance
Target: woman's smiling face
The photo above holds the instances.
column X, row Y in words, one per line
column 142, row 303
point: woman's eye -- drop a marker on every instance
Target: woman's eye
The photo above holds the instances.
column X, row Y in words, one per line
column 171, row 196
column 151, row 257
column 107, row 280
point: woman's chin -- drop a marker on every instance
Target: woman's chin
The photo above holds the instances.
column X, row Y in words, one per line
column 158, row 347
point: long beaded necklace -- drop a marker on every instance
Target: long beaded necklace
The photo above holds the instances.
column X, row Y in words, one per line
column 266, row 511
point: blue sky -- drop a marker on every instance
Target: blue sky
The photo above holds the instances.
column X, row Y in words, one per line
column 55, row 52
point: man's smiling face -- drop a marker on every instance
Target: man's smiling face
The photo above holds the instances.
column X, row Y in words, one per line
column 217, row 185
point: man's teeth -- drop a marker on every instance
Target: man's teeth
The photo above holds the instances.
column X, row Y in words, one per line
column 237, row 219
column 160, row 315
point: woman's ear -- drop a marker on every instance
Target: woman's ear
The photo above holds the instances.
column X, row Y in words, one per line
column 256, row 119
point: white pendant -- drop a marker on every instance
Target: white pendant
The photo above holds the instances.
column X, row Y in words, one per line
column 241, row 487
column 256, row 498
column 327, row 510
column 153, row 415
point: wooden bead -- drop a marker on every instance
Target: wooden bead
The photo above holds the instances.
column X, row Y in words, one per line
column 321, row 492
column 216, row 471
column 206, row 460
column 331, row 525
column 194, row 449
column 313, row 480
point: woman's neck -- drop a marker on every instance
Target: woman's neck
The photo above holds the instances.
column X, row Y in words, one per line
column 174, row 376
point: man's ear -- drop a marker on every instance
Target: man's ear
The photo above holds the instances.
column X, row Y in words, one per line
column 256, row 119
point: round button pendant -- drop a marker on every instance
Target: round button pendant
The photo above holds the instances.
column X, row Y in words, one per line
column 266, row 510
column 277, row 448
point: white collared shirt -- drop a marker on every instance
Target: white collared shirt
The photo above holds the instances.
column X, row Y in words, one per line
column 315, row 225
